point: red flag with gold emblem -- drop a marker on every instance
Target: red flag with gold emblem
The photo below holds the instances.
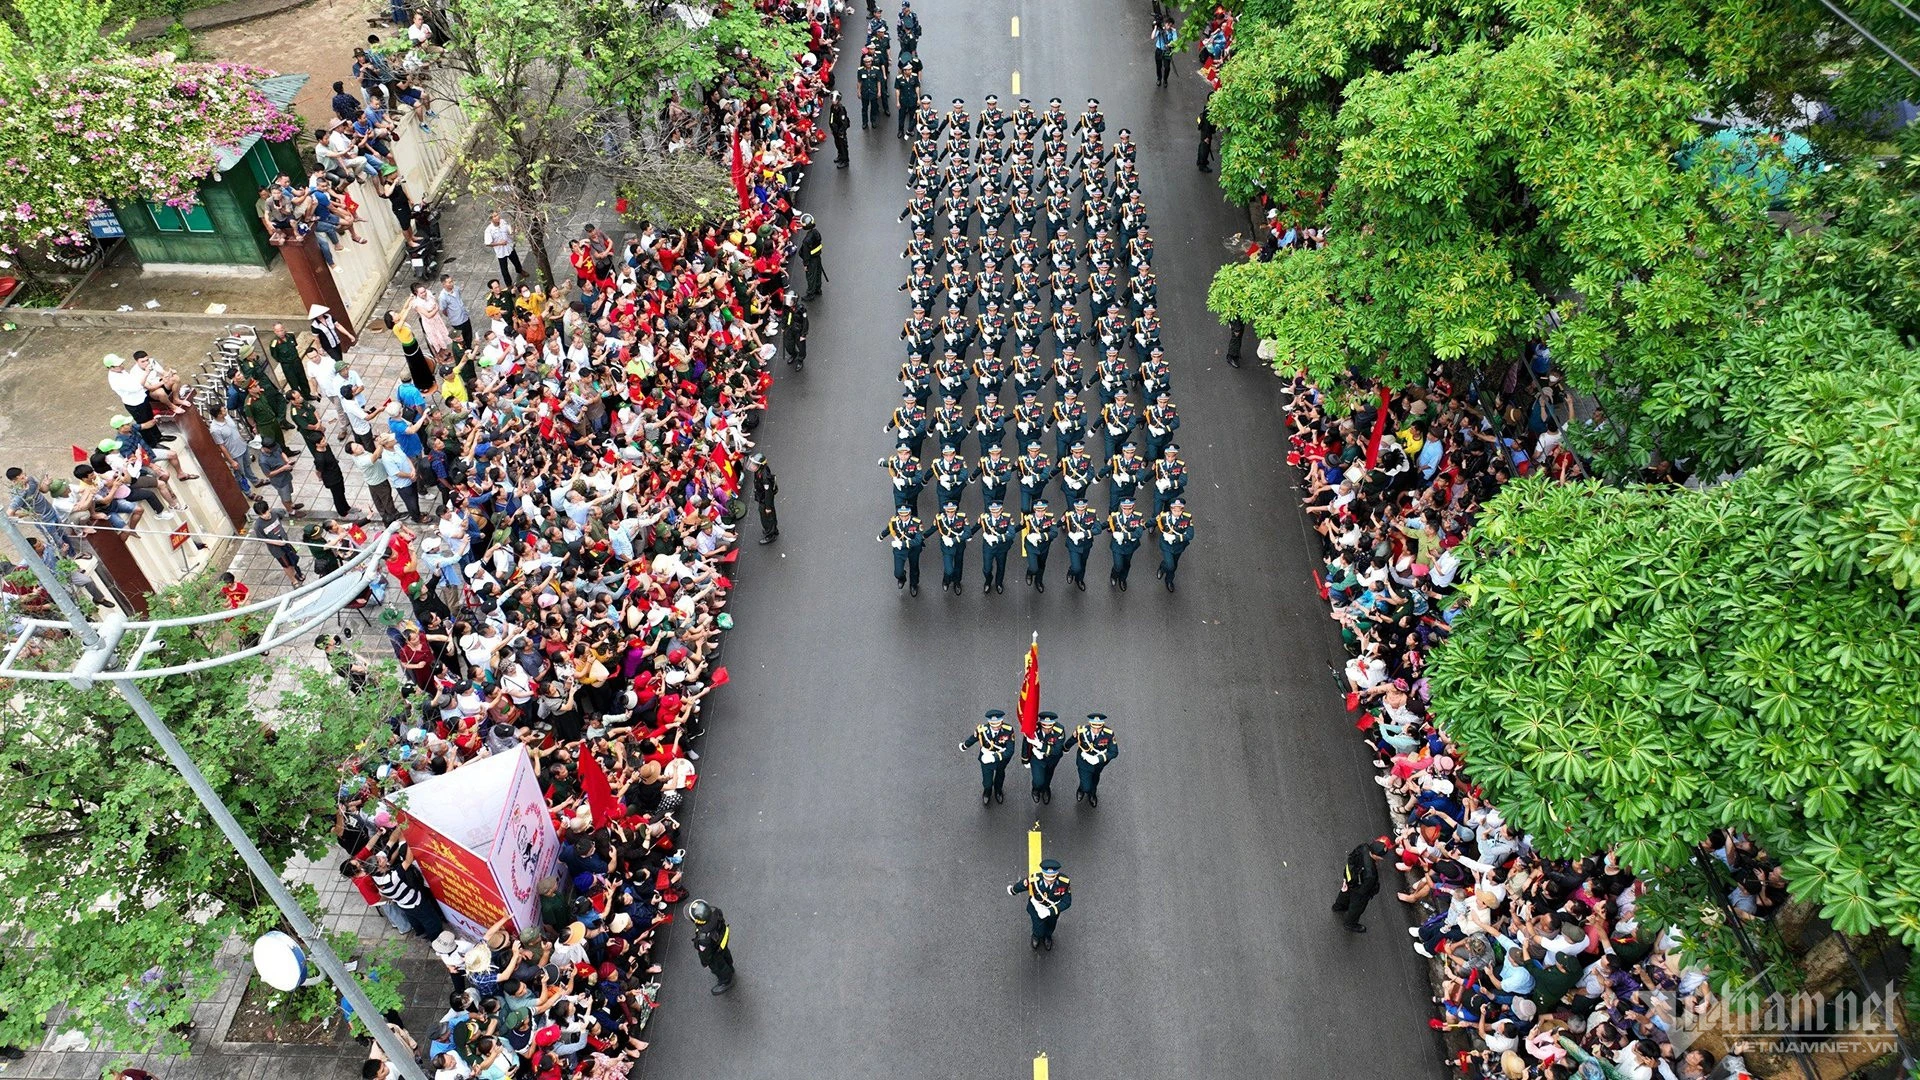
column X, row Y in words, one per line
column 1030, row 691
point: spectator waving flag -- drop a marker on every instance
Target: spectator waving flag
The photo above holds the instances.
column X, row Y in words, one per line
column 593, row 781
column 1030, row 691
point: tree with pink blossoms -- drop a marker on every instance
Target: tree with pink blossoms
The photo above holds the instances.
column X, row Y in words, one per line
column 83, row 122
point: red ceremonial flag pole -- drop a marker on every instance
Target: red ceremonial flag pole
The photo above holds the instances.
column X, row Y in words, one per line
column 1030, row 691
column 593, row 781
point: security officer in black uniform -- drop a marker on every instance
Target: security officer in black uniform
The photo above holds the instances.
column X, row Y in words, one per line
column 838, row 122
column 794, row 335
column 1095, row 748
column 810, row 247
column 995, row 738
column 1047, row 894
column 710, row 936
column 1044, row 749
column 765, row 487
column 1359, row 883
column 1206, row 142
column 905, row 535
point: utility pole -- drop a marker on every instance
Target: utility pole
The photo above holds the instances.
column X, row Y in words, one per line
column 100, row 651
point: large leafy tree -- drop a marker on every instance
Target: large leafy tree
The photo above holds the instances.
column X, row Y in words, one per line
column 116, row 887
column 1490, row 176
column 571, row 92
column 1638, row 666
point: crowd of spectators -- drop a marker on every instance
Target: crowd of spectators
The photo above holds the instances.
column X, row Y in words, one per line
column 1543, row 964
column 569, row 592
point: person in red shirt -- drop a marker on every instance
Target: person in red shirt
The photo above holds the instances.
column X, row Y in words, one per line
column 236, row 592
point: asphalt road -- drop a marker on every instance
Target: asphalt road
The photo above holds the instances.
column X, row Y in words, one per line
column 840, row 829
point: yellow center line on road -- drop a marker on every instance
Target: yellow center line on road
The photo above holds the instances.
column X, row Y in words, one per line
column 1016, row 84
column 1033, row 849
column 1016, row 26
column 1040, row 1067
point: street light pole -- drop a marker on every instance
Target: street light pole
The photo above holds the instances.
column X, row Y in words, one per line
column 399, row 1057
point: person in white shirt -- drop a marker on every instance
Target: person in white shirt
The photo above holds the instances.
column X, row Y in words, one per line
column 499, row 237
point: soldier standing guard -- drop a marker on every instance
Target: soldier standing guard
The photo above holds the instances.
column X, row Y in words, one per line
column 871, row 75
column 995, row 740
column 1097, row 749
column 1048, row 894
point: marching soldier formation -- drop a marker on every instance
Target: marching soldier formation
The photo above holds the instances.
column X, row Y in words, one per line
column 1093, row 744
column 1039, row 210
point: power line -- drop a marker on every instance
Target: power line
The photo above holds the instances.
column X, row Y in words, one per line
column 191, row 534
column 1868, row 34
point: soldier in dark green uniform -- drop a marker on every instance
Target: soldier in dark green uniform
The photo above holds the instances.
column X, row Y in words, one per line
column 1096, row 748
column 1127, row 527
column 1047, row 894
column 1044, row 748
column 1176, row 532
column 995, row 741
column 871, row 76
column 903, row 533
column 954, row 530
column 1082, row 525
column 906, row 88
column 284, row 347
column 996, row 538
column 1037, row 533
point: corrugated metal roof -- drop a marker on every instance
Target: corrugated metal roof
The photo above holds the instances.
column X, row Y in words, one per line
column 279, row 89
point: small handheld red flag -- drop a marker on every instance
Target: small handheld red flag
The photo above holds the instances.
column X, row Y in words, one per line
column 593, row 781
column 1030, row 691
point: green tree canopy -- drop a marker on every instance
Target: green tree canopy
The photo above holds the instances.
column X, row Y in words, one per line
column 1638, row 666
column 571, row 93
column 110, row 868
column 1539, row 169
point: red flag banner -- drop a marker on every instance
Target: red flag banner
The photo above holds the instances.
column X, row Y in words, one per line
column 739, row 172
column 1030, row 691
column 1379, row 429
column 593, row 781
